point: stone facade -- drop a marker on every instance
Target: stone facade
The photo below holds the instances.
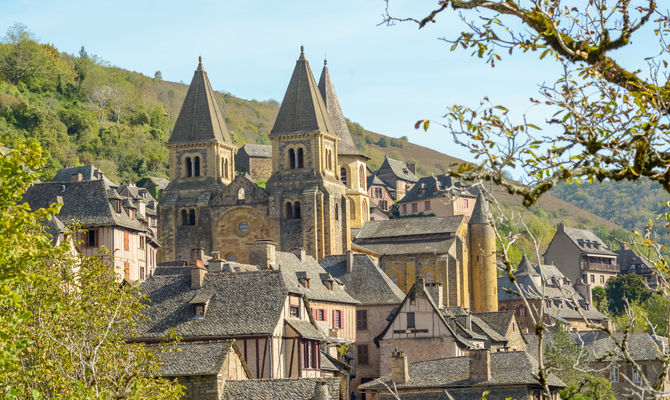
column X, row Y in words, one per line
column 255, row 160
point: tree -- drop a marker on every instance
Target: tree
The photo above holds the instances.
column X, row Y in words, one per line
column 64, row 320
column 599, row 296
column 158, row 75
column 623, row 289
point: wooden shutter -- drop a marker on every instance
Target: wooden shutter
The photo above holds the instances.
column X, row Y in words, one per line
column 126, row 241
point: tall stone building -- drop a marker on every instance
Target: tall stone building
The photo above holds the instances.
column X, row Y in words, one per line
column 483, row 269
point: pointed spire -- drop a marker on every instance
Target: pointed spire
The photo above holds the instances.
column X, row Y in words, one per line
column 526, row 267
column 302, row 109
column 327, row 89
column 481, row 213
column 200, row 119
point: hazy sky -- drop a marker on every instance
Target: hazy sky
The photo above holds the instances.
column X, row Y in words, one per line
column 386, row 78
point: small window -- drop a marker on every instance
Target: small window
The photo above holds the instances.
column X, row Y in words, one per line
column 189, row 167
column 404, row 208
column 319, row 314
column 196, row 166
column 362, row 354
column 361, row 320
column 378, row 192
column 337, row 212
column 295, row 312
column 191, row 217
column 296, row 210
column 291, row 159
column 117, row 206
column 243, row 227
column 240, row 196
column 126, row 241
column 636, row 376
column 465, row 203
column 200, row 310
column 614, row 373
column 410, row 321
column 361, row 177
column 300, row 158
column 143, row 240
column 225, row 168
column 343, row 176
column 602, row 278
column 352, row 209
column 593, row 278
column 415, row 207
column 426, row 205
column 184, row 217
column 289, row 210
column 141, row 273
column 337, row 319
column 434, row 188
column 548, row 303
column 92, row 238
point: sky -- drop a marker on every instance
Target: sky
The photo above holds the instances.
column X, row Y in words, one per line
column 386, row 77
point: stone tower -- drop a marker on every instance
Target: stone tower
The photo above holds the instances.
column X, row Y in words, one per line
column 306, row 195
column 201, row 159
column 352, row 163
column 483, row 268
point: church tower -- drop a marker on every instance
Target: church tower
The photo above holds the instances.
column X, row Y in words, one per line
column 352, row 163
column 201, row 159
column 306, row 194
column 483, row 267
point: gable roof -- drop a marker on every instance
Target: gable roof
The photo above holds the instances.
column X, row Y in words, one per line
column 278, row 389
column 628, row 260
column 197, row 358
column 241, row 304
column 366, row 282
column 346, row 144
column 481, row 214
column 586, row 240
column 405, row 227
column 200, row 119
column 88, row 173
column 599, row 345
column 398, row 168
column 446, row 186
column 257, row 150
column 303, row 108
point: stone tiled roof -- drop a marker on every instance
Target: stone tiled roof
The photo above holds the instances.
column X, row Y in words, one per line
column 278, row 389
column 303, row 108
column 195, row 358
column 160, row 183
column 399, row 169
column 641, row 346
column 481, row 214
column 375, row 180
column 628, row 260
column 366, row 282
column 87, row 203
column 507, row 368
column 327, row 89
column 585, row 240
column 305, row 328
column 499, row 320
column 437, row 395
column 88, row 173
column 405, row 227
column 462, row 394
column 54, row 228
column 257, row 150
column 200, row 119
column 418, row 246
column 446, row 186
column 291, row 266
column 242, row 304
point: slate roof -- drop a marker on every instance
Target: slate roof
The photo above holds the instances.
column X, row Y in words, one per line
column 257, row 150
column 446, row 186
column 291, row 266
column 366, row 282
column 375, row 180
column 499, row 320
column 195, row 358
column 242, row 304
column 588, row 240
column 303, row 108
column 417, row 246
column 399, row 169
column 481, row 214
column 88, row 173
column 305, row 328
column 278, row 389
column 200, row 119
column 629, row 262
column 54, row 227
column 160, row 183
column 507, row 368
column 327, row 89
column 87, row 203
column 406, row 227
column 641, row 346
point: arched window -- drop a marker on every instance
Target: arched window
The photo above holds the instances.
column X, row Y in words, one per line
column 240, row 196
column 291, row 159
column 361, row 177
column 184, row 217
column 196, row 166
column 337, row 212
column 428, row 277
column 364, row 210
column 352, row 207
column 225, row 168
column 289, row 210
column 191, row 217
column 189, row 167
column 300, row 158
column 296, row 210
column 343, row 176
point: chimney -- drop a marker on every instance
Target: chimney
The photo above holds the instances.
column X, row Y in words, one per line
column 302, row 255
column 215, row 264
column 262, row 253
column 321, row 391
column 436, row 292
column 480, row 365
column 198, row 276
column 350, row 261
column 198, row 257
column 420, row 283
column 100, row 175
column 560, row 227
column 216, row 255
column 399, row 368
column 411, row 166
column 77, row 177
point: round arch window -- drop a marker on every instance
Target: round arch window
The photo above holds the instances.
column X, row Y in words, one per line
column 243, row 227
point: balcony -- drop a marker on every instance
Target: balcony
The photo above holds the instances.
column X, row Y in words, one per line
column 596, row 266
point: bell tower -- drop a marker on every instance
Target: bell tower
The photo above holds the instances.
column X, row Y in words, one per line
column 483, row 267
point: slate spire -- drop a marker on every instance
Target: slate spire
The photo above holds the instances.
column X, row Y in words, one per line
column 526, row 267
column 200, row 119
column 327, row 89
column 302, row 109
column 481, row 213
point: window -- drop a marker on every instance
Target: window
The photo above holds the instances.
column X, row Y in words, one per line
column 465, row 203
column 225, row 168
column 361, row 320
column 200, row 310
column 383, row 205
column 319, row 314
column 189, row 167
column 602, row 278
column 184, row 217
column 117, row 206
column 378, row 192
column 410, row 321
column 295, row 312
column 289, row 210
column 126, row 241
column 196, row 166
column 361, row 177
column 426, row 205
column 343, row 176
column 240, row 196
column 404, row 208
column 415, row 207
column 352, row 207
column 337, row 318
column 614, row 373
column 296, row 210
column 91, row 238
column 311, row 354
column 365, row 210
column 191, row 217
column 300, row 158
column 243, row 227
column 420, row 190
column 337, row 212
column 548, row 303
column 593, row 278
column 428, row 277
column 141, row 273
column 291, row 159
column 143, row 240
column 362, row 354
column 635, row 376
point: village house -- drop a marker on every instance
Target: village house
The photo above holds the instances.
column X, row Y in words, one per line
column 378, row 297
column 255, row 160
column 116, row 228
column 499, row 376
column 545, row 286
column 397, row 175
column 381, row 194
column 581, row 255
column 440, row 195
column 154, row 185
column 632, row 263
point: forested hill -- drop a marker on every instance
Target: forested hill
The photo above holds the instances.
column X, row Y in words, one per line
column 83, row 111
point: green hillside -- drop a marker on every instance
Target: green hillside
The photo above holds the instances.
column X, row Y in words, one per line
column 84, row 111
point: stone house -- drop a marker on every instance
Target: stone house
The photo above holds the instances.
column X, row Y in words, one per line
column 116, row 228
column 153, row 184
column 439, row 195
column 255, row 160
column 380, row 194
column 545, row 286
column 423, row 330
column 507, row 375
column 631, row 263
column 397, row 175
column 378, row 297
column 581, row 255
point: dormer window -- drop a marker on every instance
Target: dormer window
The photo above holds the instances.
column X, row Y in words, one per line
column 580, row 242
column 199, row 304
column 434, row 189
column 131, row 213
column 117, row 206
